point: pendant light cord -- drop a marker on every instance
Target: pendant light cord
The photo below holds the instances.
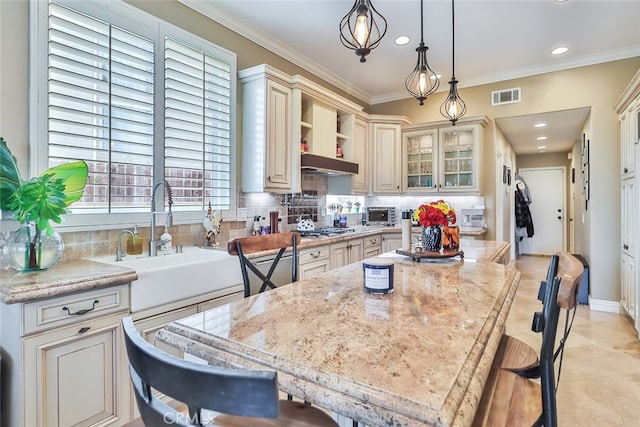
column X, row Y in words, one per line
column 453, row 42
column 422, row 21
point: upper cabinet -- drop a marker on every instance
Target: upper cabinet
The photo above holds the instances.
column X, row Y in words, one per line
column 629, row 138
column 437, row 157
column 387, row 152
column 628, row 109
column 286, row 117
column 270, row 160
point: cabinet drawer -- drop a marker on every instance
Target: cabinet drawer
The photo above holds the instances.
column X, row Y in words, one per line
column 313, row 254
column 372, row 241
column 68, row 309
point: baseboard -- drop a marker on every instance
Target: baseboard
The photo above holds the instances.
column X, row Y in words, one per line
column 604, row 305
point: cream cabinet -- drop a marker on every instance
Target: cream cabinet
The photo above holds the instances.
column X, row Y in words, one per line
column 629, row 122
column 269, row 162
column 439, row 158
column 628, row 289
column 313, row 261
column 386, row 158
column 372, row 246
column 355, row 149
column 391, row 242
column 346, row 252
column 628, row 109
column 69, row 364
column 77, row 375
column 319, row 127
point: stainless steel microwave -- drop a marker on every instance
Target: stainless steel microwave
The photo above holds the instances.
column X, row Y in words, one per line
column 381, row 216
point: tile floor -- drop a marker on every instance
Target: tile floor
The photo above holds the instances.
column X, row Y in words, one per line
column 600, row 379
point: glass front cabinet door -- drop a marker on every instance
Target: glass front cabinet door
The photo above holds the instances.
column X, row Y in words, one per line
column 442, row 159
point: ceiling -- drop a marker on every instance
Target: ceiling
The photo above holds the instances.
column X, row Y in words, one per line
column 495, row 41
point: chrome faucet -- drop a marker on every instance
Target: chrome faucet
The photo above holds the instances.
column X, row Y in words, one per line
column 119, row 250
column 153, row 242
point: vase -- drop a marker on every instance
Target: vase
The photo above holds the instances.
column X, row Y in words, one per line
column 432, row 238
column 29, row 249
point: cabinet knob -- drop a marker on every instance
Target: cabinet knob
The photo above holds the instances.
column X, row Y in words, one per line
column 625, row 247
column 269, row 178
column 626, row 170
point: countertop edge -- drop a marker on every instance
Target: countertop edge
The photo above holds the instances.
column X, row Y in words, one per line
column 58, row 283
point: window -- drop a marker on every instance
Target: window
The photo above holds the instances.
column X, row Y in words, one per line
column 139, row 101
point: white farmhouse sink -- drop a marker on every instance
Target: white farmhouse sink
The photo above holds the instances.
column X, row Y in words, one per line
column 167, row 278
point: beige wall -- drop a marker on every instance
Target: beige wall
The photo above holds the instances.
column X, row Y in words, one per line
column 596, row 86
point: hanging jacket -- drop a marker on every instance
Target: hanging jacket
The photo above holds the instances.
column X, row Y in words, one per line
column 523, row 214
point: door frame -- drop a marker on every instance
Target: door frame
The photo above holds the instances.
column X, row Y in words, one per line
column 565, row 213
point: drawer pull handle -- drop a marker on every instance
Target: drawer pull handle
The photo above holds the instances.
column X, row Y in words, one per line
column 81, row 312
column 316, row 255
column 84, row 329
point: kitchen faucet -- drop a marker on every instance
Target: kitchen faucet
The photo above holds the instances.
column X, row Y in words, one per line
column 119, row 249
column 153, row 242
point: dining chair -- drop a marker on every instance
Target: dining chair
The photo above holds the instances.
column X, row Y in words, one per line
column 223, row 396
column 253, row 245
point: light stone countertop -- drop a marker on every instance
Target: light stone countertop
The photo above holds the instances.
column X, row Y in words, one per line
column 418, row 356
column 63, row 278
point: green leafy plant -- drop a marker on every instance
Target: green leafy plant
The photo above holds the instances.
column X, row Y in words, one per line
column 43, row 199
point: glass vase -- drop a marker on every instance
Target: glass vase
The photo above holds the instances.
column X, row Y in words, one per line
column 29, row 249
column 432, row 238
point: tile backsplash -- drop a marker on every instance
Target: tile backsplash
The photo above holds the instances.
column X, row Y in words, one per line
column 312, row 200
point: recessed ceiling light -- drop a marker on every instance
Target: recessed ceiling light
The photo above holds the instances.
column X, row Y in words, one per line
column 559, row 50
column 436, row 76
column 541, row 138
column 539, row 125
column 402, row 40
column 542, row 147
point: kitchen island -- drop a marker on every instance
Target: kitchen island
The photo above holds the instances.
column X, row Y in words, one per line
column 417, row 356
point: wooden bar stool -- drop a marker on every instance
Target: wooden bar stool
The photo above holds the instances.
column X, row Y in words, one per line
column 244, row 246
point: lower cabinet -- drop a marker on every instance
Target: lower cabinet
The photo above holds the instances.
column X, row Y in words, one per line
column 347, row 252
column 313, row 261
column 391, row 242
column 77, row 375
column 372, row 246
column 628, row 288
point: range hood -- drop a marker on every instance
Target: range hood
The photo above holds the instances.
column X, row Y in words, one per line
column 312, row 163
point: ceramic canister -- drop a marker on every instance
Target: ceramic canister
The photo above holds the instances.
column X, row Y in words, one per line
column 378, row 275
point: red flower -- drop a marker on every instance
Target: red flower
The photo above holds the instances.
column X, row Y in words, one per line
column 435, row 213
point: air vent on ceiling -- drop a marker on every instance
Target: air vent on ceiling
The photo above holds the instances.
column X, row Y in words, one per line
column 505, row 96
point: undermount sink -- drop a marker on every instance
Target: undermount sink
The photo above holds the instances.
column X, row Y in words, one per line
column 167, row 278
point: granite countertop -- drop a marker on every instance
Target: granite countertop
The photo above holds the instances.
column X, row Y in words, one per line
column 63, row 278
column 420, row 355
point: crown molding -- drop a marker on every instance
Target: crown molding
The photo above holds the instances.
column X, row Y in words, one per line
column 613, row 55
column 209, row 10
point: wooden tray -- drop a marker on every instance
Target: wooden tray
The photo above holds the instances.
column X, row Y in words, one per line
column 447, row 253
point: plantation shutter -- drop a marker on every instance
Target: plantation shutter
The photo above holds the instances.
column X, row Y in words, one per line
column 101, row 89
column 197, row 126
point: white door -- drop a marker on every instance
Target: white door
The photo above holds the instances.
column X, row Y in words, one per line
column 547, row 188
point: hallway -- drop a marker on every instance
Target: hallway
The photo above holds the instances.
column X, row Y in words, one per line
column 600, row 380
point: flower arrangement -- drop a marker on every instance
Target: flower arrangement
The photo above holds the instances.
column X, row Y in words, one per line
column 435, row 213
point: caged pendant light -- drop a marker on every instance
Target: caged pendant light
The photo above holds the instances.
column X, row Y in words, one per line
column 359, row 30
column 453, row 107
column 422, row 82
